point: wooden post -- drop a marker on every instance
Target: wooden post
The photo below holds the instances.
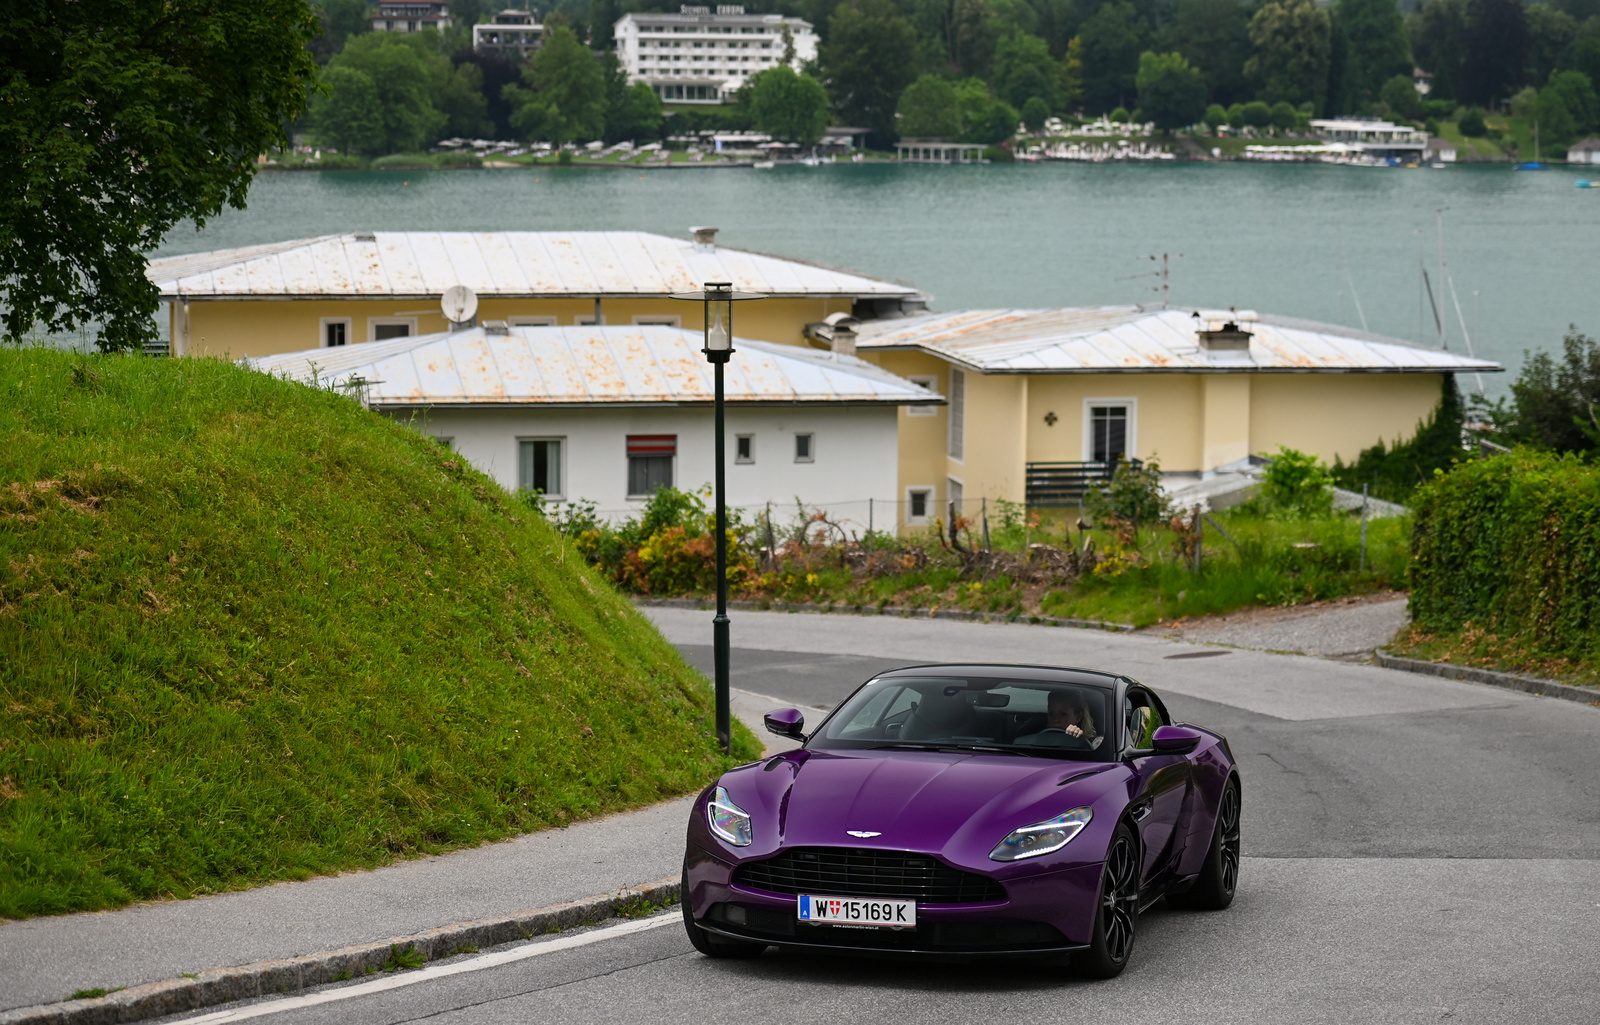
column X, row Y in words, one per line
column 1363, row 566
column 1198, row 538
column 985, row 508
column 869, row 524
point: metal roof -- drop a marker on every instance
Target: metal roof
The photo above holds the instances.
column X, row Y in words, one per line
column 510, row 264
column 585, row 366
column 1150, row 339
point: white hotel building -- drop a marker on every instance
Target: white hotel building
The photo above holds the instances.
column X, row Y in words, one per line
column 696, row 56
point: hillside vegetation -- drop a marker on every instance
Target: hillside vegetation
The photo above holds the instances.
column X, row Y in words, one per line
column 250, row 632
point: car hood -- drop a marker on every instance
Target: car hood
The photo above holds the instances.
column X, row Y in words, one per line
column 955, row 804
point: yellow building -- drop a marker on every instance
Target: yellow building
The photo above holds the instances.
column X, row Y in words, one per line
column 370, row 286
column 1042, row 401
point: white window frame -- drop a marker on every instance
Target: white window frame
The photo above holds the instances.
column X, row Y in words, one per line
column 740, row 459
column 811, row 456
column 322, row 332
column 1132, row 445
column 933, row 498
column 956, row 441
column 955, row 490
column 561, row 467
column 532, row 320
column 930, row 382
column 657, row 319
column 374, row 322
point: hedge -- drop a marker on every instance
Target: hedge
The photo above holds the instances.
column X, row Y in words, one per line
column 1511, row 544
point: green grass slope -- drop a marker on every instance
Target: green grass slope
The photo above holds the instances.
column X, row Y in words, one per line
column 251, row 632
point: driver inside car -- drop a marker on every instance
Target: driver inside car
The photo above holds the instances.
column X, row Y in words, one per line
column 1067, row 715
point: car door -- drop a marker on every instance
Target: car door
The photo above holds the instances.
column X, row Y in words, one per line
column 1161, row 786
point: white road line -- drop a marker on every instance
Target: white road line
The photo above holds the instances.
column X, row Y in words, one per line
column 398, row 980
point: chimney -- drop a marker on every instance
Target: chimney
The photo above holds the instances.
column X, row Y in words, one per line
column 496, row 327
column 844, row 338
column 705, row 239
column 1220, row 331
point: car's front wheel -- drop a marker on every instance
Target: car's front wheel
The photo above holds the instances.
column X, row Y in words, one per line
column 710, row 944
column 1118, row 909
column 1219, row 876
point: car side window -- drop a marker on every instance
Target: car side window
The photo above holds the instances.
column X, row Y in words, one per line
column 1140, row 718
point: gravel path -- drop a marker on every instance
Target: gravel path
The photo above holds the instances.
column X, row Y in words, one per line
column 1329, row 629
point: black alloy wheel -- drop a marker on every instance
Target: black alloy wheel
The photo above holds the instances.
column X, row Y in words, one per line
column 710, row 944
column 1219, row 876
column 1118, row 910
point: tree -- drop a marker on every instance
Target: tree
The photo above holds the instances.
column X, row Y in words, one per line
column 1399, row 94
column 789, row 106
column 929, row 109
column 1023, row 69
column 1282, row 116
column 603, row 15
column 119, row 121
column 1378, row 49
column 1035, row 113
column 1070, row 76
column 1550, row 32
column 984, row 119
column 1496, row 51
column 340, row 19
column 349, row 115
column 405, row 84
column 1291, row 41
column 1216, row 116
column 1438, row 32
column 1171, row 92
column 869, row 58
column 563, row 98
column 458, row 95
column 1578, row 97
column 1257, row 114
column 637, row 115
column 1471, row 124
column 1112, row 42
column 1555, row 404
column 1584, row 53
column 1214, row 36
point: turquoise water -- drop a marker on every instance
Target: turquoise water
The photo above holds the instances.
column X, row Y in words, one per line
column 1308, row 241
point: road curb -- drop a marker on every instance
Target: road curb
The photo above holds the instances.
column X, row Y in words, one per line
column 901, row 611
column 288, row 975
column 1494, row 678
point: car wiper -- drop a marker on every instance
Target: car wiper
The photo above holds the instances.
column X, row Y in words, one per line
column 906, row 746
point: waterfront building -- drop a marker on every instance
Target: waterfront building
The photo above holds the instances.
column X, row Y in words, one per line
column 410, row 15
column 697, row 56
column 1584, row 151
column 1039, row 401
column 362, row 287
column 608, row 414
column 1442, row 150
column 1381, row 140
column 938, row 151
column 512, row 33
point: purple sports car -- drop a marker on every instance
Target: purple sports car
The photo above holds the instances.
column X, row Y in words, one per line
column 967, row 810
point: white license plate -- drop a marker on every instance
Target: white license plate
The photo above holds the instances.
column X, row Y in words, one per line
column 853, row 911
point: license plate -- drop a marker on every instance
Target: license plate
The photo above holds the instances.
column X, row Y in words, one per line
column 854, row 911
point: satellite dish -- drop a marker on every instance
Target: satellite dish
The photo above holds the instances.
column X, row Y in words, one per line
column 460, row 304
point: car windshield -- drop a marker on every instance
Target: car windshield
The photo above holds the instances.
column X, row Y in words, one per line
column 995, row 714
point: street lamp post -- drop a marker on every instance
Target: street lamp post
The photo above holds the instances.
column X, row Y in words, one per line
column 719, row 298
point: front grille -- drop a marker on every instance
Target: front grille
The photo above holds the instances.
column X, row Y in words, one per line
column 852, row 872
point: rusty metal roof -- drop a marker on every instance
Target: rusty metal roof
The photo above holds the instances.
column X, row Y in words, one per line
column 1151, row 339
column 586, row 366
column 510, row 264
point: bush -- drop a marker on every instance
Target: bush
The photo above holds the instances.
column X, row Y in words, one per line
column 1034, row 113
column 1471, row 124
column 1509, row 544
column 1394, row 473
column 1119, row 116
column 1134, row 496
column 1283, row 116
column 1297, row 483
column 1257, row 114
column 1216, row 115
column 1236, row 116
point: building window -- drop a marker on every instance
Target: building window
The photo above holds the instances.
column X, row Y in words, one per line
column 930, row 382
column 957, row 495
column 381, row 328
column 958, row 412
column 335, row 331
column 917, row 502
column 539, row 466
column 531, row 321
column 650, row 459
column 805, row 448
column 660, row 320
column 1108, row 437
column 744, row 448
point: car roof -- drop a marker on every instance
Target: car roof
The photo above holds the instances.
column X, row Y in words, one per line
column 1043, row 674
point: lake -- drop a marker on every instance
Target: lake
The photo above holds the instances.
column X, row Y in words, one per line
column 1305, row 240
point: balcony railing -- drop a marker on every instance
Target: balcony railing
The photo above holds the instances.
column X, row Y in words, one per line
column 1060, row 484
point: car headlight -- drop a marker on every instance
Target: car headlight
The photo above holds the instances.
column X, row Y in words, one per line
column 1042, row 837
column 728, row 820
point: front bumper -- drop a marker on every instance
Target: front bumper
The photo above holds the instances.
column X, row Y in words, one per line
column 1045, row 912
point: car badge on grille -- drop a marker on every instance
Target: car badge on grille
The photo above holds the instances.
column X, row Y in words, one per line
column 864, row 834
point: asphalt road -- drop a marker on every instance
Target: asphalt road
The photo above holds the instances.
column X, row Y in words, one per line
column 1416, row 850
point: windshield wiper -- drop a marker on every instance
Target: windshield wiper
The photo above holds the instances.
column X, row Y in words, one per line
column 907, row 746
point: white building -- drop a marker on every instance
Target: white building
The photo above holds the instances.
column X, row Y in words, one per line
column 513, row 33
column 696, row 56
column 1584, row 151
column 608, row 414
column 1379, row 139
column 410, row 15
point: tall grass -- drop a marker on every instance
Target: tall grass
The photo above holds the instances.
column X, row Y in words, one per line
column 250, row 632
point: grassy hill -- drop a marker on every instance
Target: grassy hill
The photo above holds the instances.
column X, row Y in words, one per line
column 251, row 632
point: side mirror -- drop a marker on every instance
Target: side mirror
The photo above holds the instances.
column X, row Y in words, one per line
column 1175, row 740
column 789, row 722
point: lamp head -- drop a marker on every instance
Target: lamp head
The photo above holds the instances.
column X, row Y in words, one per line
column 719, row 321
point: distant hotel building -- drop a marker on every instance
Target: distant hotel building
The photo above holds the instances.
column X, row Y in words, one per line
column 699, row 57
column 411, row 16
column 1380, row 139
column 513, row 33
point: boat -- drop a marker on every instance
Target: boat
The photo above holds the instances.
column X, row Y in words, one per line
column 764, row 163
column 1533, row 165
column 1584, row 183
